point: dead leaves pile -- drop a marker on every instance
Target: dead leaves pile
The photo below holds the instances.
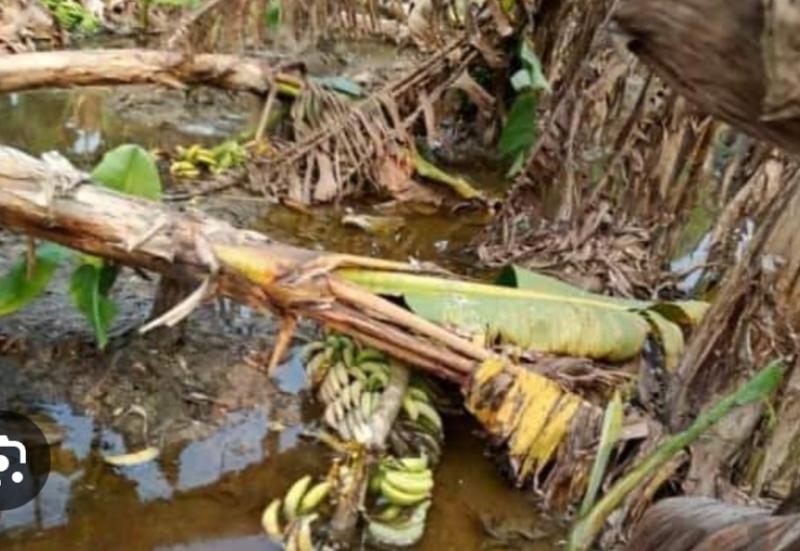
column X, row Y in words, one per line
column 22, row 21
column 602, row 253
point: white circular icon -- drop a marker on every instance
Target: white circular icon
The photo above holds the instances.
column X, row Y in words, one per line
column 16, row 477
column 3, row 463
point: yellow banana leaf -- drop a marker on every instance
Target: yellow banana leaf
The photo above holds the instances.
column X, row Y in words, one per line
column 530, row 413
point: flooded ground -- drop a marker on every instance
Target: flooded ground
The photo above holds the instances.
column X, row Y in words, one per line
column 231, row 438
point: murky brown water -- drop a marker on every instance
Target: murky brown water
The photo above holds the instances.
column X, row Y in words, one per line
column 209, row 494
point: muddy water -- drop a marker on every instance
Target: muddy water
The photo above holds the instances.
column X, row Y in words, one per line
column 84, row 123
column 208, row 493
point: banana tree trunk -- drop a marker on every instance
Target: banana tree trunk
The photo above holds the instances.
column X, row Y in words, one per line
column 135, row 66
column 739, row 61
column 45, row 201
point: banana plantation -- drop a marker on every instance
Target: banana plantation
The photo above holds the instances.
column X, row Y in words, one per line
column 391, row 274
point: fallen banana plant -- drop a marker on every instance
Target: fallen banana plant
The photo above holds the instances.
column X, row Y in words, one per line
column 534, row 416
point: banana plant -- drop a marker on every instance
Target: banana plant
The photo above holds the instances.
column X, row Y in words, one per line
column 128, row 169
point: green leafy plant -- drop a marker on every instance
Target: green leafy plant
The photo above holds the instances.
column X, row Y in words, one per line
column 759, row 388
column 128, row 169
column 23, row 283
column 520, row 130
column 72, row 16
column 273, row 16
column 539, row 313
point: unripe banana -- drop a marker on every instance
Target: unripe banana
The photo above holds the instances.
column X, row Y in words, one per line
column 372, row 366
column 330, row 417
column 397, row 496
column 377, row 380
column 365, row 404
column 375, row 481
column 344, row 429
column 315, row 367
column 348, row 353
column 327, row 392
column 428, row 412
column 418, row 394
column 314, row 497
column 339, row 408
column 413, row 464
column 410, row 407
column 178, row 166
column 412, row 483
column 341, row 373
column 370, row 355
column 311, row 350
column 357, row 374
column 270, row 520
column 390, row 513
column 354, row 393
column 294, row 495
column 333, row 342
column 305, row 541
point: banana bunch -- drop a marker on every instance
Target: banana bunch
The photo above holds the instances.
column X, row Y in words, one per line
column 190, row 162
column 72, row 16
column 403, row 482
column 298, row 510
column 401, row 530
column 420, row 429
column 350, row 383
column 404, row 486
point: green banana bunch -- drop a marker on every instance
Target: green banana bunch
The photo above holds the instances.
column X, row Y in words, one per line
column 420, row 429
column 297, row 508
column 399, row 531
column 227, row 155
column 191, row 161
column 72, row 16
column 403, row 482
column 350, row 383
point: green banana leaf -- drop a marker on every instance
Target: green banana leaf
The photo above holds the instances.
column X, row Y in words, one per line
column 539, row 313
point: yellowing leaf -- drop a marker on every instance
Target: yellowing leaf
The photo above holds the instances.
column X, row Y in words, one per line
column 543, row 320
column 530, row 413
column 539, row 313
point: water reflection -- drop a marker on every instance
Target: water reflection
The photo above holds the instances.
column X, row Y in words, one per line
column 84, row 123
column 80, row 481
column 239, row 445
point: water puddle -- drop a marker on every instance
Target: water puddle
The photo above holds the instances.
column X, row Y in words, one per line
column 84, row 123
column 208, row 493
